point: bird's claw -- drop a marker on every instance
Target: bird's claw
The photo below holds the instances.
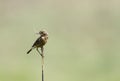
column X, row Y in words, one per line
column 41, row 55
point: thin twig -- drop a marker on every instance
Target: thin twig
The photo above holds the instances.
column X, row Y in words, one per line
column 42, row 68
column 42, row 49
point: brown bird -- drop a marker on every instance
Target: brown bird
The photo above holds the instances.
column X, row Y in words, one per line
column 40, row 42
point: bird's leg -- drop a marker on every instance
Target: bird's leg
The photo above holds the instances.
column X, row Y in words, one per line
column 42, row 51
column 38, row 51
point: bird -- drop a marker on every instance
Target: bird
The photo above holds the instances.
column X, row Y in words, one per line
column 40, row 42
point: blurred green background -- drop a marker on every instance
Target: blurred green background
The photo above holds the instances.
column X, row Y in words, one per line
column 83, row 45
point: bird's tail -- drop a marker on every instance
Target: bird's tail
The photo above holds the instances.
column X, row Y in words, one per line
column 29, row 51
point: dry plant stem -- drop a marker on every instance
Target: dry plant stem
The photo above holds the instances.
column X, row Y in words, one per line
column 42, row 68
column 42, row 49
column 42, row 55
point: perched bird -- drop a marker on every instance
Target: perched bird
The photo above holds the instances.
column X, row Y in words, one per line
column 40, row 42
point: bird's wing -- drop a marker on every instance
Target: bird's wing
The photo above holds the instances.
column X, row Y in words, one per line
column 38, row 43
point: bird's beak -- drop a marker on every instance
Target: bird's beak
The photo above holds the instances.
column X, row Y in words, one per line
column 37, row 33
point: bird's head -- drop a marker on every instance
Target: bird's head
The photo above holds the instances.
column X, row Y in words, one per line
column 43, row 32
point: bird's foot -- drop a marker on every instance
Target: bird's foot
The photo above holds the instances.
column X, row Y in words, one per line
column 42, row 55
